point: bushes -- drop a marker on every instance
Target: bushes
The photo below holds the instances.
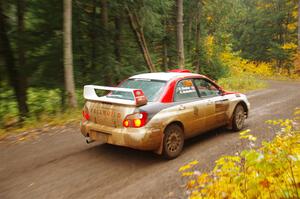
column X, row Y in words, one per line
column 243, row 74
column 42, row 102
column 241, row 83
column 239, row 66
column 271, row 171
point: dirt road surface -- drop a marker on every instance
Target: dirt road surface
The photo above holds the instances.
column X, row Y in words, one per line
column 59, row 164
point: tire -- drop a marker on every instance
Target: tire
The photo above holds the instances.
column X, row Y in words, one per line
column 173, row 141
column 239, row 116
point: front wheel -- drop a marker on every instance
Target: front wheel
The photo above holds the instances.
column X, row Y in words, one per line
column 173, row 141
column 239, row 116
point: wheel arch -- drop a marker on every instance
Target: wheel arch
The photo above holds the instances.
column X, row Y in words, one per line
column 244, row 106
column 241, row 102
column 180, row 124
column 177, row 122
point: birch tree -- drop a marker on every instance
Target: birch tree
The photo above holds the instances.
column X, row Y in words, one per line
column 180, row 44
column 68, row 55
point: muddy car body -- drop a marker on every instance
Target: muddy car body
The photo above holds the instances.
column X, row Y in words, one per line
column 158, row 111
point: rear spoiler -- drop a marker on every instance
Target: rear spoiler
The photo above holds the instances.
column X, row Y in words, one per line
column 139, row 98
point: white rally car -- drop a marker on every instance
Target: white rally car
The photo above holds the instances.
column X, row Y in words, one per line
column 158, row 111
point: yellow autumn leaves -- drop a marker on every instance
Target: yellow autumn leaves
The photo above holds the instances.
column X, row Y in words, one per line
column 188, row 166
column 245, row 135
column 269, row 171
column 239, row 66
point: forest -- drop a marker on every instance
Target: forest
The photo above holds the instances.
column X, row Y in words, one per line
column 50, row 49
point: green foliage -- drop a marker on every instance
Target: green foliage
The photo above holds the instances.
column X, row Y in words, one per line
column 214, row 69
column 269, row 171
column 260, row 34
column 41, row 102
column 71, row 116
column 8, row 105
column 242, row 83
column 263, row 30
column 211, row 63
column 44, row 57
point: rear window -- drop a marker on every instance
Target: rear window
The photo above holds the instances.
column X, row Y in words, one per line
column 151, row 88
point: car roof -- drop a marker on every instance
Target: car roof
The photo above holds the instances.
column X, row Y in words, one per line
column 164, row 76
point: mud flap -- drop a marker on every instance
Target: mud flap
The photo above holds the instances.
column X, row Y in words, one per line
column 160, row 149
column 229, row 125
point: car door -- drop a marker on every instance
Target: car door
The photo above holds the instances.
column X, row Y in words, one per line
column 192, row 110
column 217, row 105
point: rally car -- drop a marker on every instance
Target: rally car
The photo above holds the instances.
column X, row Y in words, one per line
column 158, row 111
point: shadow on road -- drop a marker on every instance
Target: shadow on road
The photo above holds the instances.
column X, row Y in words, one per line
column 119, row 152
column 222, row 131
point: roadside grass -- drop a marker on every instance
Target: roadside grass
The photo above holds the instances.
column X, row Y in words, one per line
column 269, row 171
column 241, row 83
column 45, row 110
column 245, row 75
column 71, row 116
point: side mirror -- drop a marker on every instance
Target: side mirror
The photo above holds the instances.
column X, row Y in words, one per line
column 221, row 91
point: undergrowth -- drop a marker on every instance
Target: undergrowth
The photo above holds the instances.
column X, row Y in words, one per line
column 57, row 119
column 45, row 109
column 242, row 83
column 269, row 171
column 245, row 75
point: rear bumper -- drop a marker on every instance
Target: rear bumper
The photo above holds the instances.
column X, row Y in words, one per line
column 145, row 138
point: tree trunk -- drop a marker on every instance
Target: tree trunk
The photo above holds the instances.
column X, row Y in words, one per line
column 197, row 40
column 93, row 36
column 197, row 50
column 117, row 42
column 189, row 35
column 180, row 44
column 108, row 73
column 117, row 45
column 139, row 33
column 165, row 55
column 68, row 55
column 104, row 13
column 21, row 49
column 62, row 99
column 12, row 70
column 21, row 27
column 165, row 46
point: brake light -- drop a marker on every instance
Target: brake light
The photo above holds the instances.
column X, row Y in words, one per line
column 126, row 123
column 135, row 120
column 86, row 115
column 179, row 71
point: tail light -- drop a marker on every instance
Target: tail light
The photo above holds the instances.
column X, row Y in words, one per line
column 85, row 115
column 139, row 97
column 135, row 120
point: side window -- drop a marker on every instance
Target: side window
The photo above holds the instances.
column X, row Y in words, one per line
column 185, row 90
column 206, row 88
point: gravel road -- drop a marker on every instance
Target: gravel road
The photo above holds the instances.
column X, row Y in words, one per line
column 57, row 163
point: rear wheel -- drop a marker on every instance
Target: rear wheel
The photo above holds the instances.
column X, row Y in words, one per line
column 173, row 141
column 239, row 116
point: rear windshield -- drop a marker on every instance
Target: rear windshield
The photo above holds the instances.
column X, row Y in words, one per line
column 151, row 88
